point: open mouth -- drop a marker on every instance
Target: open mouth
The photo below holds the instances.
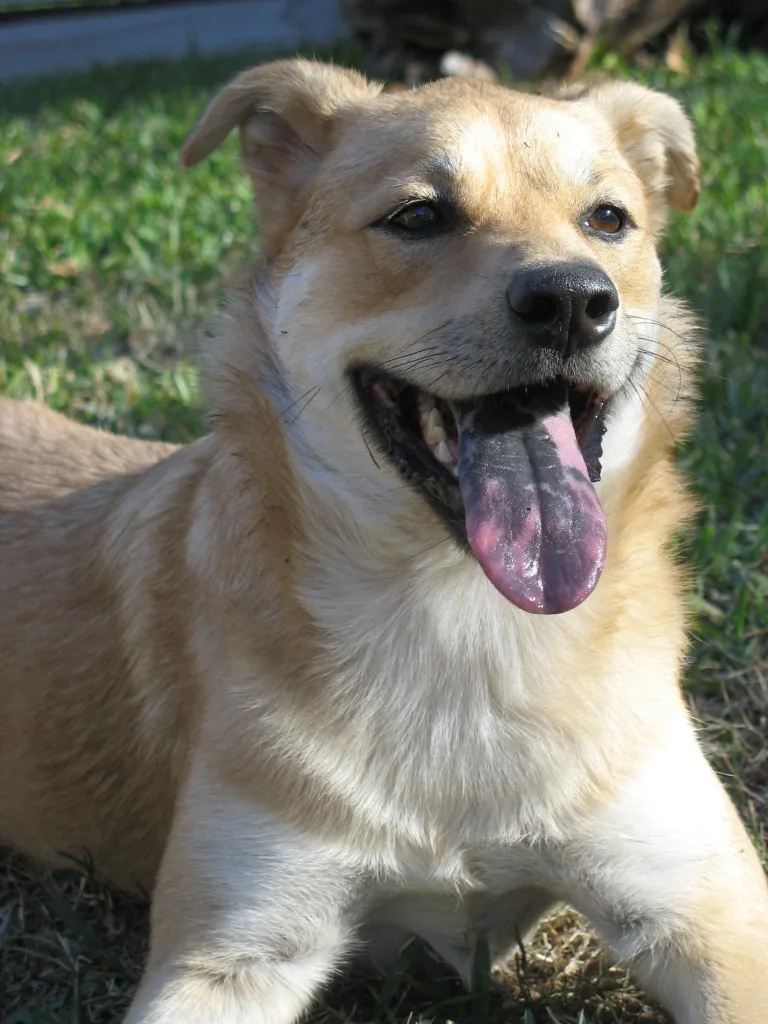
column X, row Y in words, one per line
column 511, row 476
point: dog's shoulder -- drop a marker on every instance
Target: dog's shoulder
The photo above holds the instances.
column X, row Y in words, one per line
column 44, row 455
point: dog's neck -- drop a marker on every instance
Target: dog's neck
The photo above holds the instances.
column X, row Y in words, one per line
column 381, row 631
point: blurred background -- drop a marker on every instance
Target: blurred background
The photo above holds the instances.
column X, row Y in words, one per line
column 111, row 260
column 413, row 39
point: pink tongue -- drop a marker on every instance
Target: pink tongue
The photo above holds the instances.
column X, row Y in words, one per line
column 533, row 519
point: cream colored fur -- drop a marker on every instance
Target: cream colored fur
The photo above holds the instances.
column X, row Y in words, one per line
column 256, row 676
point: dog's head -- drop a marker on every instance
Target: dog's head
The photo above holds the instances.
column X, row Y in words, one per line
column 470, row 275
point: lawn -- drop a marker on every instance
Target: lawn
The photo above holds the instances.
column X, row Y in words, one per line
column 110, row 260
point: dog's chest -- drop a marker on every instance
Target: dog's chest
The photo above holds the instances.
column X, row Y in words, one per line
column 450, row 725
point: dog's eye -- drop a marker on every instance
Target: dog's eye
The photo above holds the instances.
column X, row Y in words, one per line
column 607, row 220
column 418, row 218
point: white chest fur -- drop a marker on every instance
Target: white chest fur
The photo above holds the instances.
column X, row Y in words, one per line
column 453, row 720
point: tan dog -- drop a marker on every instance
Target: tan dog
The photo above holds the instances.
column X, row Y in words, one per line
column 293, row 676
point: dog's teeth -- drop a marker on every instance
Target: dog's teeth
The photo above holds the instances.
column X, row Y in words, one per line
column 442, row 454
column 435, row 422
column 425, row 404
column 432, row 428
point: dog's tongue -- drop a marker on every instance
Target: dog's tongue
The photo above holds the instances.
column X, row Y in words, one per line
column 534, row 521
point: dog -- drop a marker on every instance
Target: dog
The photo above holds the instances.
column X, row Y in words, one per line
column 396, row 648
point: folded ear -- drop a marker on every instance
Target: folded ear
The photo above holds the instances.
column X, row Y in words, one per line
column 657, row 138
column 285, row 111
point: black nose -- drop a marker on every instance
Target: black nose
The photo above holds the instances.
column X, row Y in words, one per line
column 564, row 306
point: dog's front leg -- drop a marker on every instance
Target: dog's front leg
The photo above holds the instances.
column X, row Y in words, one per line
column 250, row 918
column 667, row 874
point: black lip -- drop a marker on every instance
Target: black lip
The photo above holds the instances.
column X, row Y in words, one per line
column 394, row 429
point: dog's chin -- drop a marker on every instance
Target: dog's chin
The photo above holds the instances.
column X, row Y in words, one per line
column 508, row 474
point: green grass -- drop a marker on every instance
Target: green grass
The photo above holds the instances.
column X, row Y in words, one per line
column 110, row 259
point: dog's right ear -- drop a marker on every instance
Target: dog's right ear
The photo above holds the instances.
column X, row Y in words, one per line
column 285, row 112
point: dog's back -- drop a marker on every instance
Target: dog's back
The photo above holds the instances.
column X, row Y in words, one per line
column 44, row 455
column 62, row 604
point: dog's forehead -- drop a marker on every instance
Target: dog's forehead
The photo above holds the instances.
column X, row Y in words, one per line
column 485, row 141
column 545, row 144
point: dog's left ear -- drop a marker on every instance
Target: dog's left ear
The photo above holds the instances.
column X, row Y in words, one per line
column 657, row 138
column 285, row 112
